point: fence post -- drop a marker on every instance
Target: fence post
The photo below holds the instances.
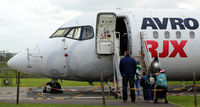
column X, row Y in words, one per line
column 42, row 88
column 102, row 88
column 18, row 84
column 16, row 77
column 195, row 89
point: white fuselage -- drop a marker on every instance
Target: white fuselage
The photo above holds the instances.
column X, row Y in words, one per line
column 74, row 59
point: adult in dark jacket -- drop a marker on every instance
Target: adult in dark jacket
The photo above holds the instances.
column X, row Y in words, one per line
column 128, row 71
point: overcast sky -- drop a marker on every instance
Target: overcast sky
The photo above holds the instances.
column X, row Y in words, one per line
column 24, row 23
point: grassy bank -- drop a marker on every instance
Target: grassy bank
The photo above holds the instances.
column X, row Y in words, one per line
column 180, row 82
column 186, row 101
column 50, row 105
column 33, row 82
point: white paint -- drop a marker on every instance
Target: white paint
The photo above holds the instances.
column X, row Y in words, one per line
column 84, row 64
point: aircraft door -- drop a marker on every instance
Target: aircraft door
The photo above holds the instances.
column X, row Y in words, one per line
column 105, row 33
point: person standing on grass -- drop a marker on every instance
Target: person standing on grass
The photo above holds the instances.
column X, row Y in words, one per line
column 128, row 70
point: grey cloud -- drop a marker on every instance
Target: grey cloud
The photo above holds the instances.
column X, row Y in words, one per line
column 26, row 22
column 91, row 5
column 23, row 24
column 157, row 3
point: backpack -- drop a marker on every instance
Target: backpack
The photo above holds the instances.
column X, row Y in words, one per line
column 151, row 80
column 161, row 80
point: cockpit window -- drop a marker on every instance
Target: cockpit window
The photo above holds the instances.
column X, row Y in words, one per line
column 60, row 32
column 74, row 33
column 70, row 34
column 87, row 32
column 78, row 33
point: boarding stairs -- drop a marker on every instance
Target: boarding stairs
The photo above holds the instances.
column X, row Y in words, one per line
column 145, row 60
column 145, row 57
column 116, row 60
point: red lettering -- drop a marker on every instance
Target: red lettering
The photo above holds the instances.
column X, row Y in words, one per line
column 165, row 51
column 178, row 48
column 154, row 46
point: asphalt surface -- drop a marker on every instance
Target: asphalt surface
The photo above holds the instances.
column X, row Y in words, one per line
column 71, row 95
column 88, row 101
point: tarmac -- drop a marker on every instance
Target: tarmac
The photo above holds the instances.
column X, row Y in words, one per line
column 71, row 95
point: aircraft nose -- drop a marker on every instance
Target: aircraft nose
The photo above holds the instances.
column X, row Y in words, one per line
column 11, row 63
column 17, row 62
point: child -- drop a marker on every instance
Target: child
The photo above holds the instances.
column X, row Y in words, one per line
column 144, row 86
column 137, row 80
column 161, row 84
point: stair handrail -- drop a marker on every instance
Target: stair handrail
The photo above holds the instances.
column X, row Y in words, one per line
column 116, row 61
column 145, row 50
column 117, row 56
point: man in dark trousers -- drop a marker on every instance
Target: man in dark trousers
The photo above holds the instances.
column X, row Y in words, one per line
column 128, row 71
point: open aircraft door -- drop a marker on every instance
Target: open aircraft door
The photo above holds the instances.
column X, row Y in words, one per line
column 105, row 33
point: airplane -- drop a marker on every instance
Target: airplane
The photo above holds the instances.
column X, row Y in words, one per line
column 94, row 42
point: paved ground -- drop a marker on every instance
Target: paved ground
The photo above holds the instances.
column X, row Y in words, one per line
column 93, row 101
column 72, row 95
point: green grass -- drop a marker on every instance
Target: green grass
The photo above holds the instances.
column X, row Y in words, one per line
column 34, row 82
column 180, row 82
column 186, row 101
column 50, row 105
column 12, row 74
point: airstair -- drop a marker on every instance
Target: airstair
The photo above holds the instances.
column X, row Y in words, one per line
column 145, row 60
column 116, row 60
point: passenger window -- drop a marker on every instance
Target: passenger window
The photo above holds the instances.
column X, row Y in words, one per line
column 87, row 32
column 178, row 34
column 77, row 33
column 167, row 35
column 192, row 35
column 155, row 34
column 60, row 32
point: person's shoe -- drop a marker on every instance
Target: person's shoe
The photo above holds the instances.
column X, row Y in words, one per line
column 139, row 98
column 133, row 101
column 125, row 101
column 151, row 101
